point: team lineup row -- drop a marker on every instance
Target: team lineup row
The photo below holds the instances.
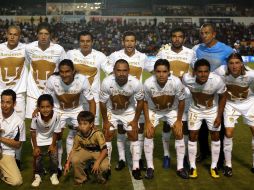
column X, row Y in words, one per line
column 121, row 96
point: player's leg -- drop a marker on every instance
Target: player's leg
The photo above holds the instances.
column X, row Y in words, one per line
column 166, row 133
column 121, row 139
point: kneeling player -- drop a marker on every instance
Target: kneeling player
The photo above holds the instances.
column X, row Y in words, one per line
column 164, row 99
column 208, row 102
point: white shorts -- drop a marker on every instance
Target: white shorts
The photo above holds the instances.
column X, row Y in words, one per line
column 31, row 105
column 195, row 118
column 156, row 116
column 232, row 112
column 68, row 119
column 123, row 119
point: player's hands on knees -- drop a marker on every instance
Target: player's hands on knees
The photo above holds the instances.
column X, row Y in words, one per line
column 36, row 151
column 133, row 124
column 150, row 129
column 217, row 121
column 52, row 148
column 67, row 168
column 106, row 125
column 178, row 128
column 96, row 167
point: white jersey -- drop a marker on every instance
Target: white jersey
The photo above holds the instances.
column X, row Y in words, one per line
column 42, row 65
column 180, row 62
column 205, row 96
column 68, row 98
column 137, row 62
column 165, row 98
column 13, row 74
column 45, row 130
column 90, row 66
column 121, row 99
column 239, row 89
column 13, row 128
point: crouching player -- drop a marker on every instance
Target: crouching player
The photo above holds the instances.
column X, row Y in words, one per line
column 208, row 102
column 45, row 128
column 89, row 144
column 240, row 101
column 164, row 99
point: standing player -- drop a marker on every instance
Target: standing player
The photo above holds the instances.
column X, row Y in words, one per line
column 138, row 62
column 13, row 73
column 240, row 101
column 44, row 131
column 180, row 58
column 89, row 62
column 121, row 102
column 43, row 57
column 216, row 53
column 208, row 102
column 164, row 99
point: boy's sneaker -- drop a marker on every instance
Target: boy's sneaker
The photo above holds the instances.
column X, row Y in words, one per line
column 120, row 165
column 166, row 162
column 149, row 173
column 136, row 174
column 54, row 180
column 214, row 172
column 193, row 173
column 228, row 171
column 37, row 180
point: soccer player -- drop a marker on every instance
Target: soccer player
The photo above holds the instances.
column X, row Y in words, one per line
column 138, row 62
column 181, row 59
column 89, row 62
column 12, row 134
column 208, row 102
column 89, row 145
column 164, row 99
column 44, row 131
column 240, row 102
column 69, row 89
column 121, row 102
column 216, row 53
column 43, row 57
column 14, row 73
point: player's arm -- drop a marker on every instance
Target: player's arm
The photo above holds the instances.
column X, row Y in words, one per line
column 149, row 128
column 92, row 106
column 178, row 123
column 14, row 143
column 52, row 147
column 104, row 114
column 221, row 105
column 36, row 149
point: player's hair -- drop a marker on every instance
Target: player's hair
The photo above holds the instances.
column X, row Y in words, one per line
column 211, row 25
column 121, row 61
column 236, row 56
column 129, row 33
column 66, row 62
column 163, row 62
column 9, row 92
column 201, row 62
column 174, row 30
column 44, row 25
column 45, row 97
column 14, row 27
column 85, row 33
column 86, row 116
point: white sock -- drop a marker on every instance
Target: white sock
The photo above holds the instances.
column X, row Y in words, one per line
column 186, row 139
column 215, row 148
column 18, row 153
column 192, row 150
column 109, row 147
column 165, row 142
column 148, row 148
column 135, row 149
column 252, row 146
column 141, row 143
column 69, row 143
column 59, row 153
column 121, row 138
column 180, row 150
column 227, row 148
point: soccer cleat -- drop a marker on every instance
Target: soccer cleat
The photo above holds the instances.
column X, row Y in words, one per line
column 214, row 173
column 136, row 174
column 37, row 180
column 54, row 180
column 149, row 173
column 142, row 165
column 120, row 165
column 166, row 162
column 228, row 171
column 193, row 173
column 182, row 173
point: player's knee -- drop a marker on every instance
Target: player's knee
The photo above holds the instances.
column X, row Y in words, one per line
column 193, row 136
column 132, row 136
column 75, row 160
column 215, row 136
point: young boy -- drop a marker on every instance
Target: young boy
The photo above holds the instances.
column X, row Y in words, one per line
column 89, row 144
column 44, row 131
